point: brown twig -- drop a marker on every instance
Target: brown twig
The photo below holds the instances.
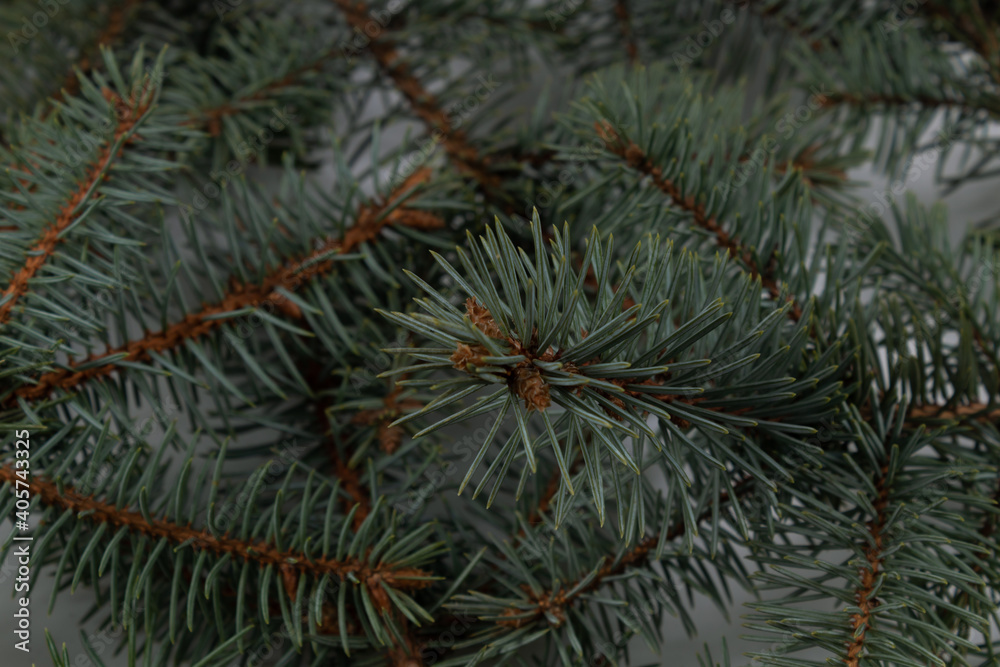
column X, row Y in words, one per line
column 462, row 154
column 555, row 603
column 389, row 439
column 39, row 254
column 922, row 414
column 260, row 553
column 625, row 21
column 289, row 276
column 350, row 480
column 861, row 621
column 638, row 160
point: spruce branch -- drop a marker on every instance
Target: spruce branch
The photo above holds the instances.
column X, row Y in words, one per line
column 463, row 155
column 349, row 478
column 835, row 98
column 99, row 512
column 371, row 220
column 904, row 504
column 625, row 21
column 131, row 114
column 865, row 596
column 669, row 350
column 552, row 605
column 608, row 379
column 632, row 154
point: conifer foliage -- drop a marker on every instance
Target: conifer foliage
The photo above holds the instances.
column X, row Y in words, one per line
column 481, row 333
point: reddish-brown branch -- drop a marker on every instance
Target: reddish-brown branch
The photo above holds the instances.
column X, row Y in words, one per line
column 260, row 553
column 637, row 159
column 462, row 154
column 861, row 621
column 289, row 277
column 407, row 653
column 39, row 254
column 350, row 480
column 389, row 437
column 556, row 603
column 625, row 21
column 976, row 411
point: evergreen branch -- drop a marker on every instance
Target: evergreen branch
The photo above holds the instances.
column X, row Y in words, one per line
column 389, row 436
column 962, row 21
column 371, row 221
column 631, row 50
column 616, row 372
column 262, row 554
column 463, row 155
column 861, row 621
column 557, row 602
column 349, row 478
column 124, row 135
column 914, row 545
column 633, row 156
